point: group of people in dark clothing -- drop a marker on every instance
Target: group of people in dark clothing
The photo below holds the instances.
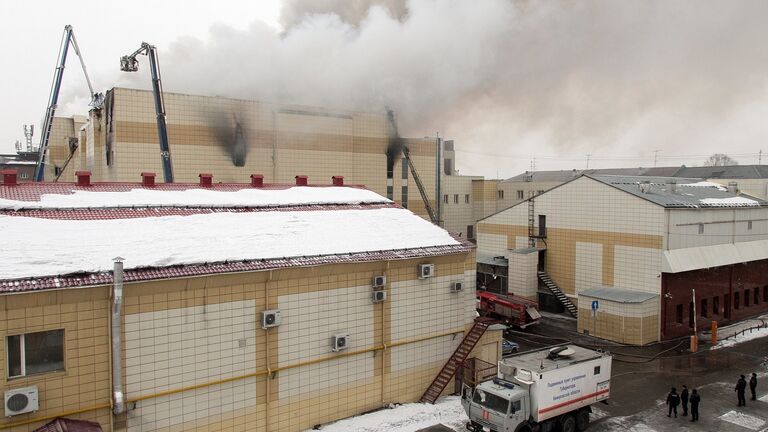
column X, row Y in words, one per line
column 674, row 399
column 741, row 388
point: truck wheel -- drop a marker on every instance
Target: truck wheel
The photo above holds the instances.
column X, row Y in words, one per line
column 582, row 420
column 568, row 423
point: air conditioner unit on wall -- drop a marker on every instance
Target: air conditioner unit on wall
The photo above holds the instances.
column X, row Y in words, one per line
column 456, row 286
column 379, row 281
column 426, row 271
column 379, row 296
column 340, row 342
column 270, row 318
column 20, row 401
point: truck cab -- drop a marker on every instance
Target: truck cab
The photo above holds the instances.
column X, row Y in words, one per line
column 495, row 405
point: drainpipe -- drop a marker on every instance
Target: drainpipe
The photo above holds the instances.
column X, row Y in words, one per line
column 117, row 330
column 438, row 189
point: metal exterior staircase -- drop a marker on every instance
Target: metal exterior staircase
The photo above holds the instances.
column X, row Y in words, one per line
column 554, row 289
column 457, row 358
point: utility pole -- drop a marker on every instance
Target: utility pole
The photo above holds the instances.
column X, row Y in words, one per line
column 760, row 157
column 588, row 155
column 655, row 156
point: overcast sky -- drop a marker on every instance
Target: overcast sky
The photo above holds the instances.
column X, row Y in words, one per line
column 512, row 81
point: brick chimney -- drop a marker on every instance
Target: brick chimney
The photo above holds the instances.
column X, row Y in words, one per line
column 206, row 179
column 301, row 180
column 257, row 180
column 148, row 178
column 83, row 178
column 338, row 180
column 9, row 177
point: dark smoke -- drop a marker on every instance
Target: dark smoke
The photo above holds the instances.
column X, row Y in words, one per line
column 230, row 136
column 395, row 147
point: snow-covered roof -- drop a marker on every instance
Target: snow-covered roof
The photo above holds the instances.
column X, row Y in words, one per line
column 194, row 196
column 70, row 238
column 674, row 193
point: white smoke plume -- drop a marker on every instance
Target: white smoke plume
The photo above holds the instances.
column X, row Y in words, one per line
column 510, row 80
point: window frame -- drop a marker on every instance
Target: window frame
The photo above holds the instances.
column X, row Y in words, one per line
column 466, row 198
column 520, row 194
column 23, row 354
column 455, row 198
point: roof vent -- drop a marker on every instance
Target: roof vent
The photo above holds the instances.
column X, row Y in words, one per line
column 206, row 179
column 733, row 187
column 83, row 178
column 338, row 180
column 257, row 180
column 645, row 186
column 9, row 177
column 301, row 180
column 671, row 186
column 148, row 178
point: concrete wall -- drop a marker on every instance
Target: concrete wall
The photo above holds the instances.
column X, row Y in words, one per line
column 82, row 390
column 282, row 141
column 596, row 235
column 196, row 357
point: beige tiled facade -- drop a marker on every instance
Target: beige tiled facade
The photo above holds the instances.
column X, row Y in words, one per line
column 630, row 323
column 196, row 358
column 63, row 130
column 282, row 141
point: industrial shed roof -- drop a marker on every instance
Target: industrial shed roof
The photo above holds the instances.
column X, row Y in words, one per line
column 617, row 295
column 687, row 259
column 69, row 239
column 688, row 192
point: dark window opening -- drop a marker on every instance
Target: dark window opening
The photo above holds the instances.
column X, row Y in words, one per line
column 466, row 198
column 746, row 298
column 749, row 225
column 404, row 198
column 542, row 225
column 716, row 305
column 540, row 191
column 470, row 231
column 704, row 308
column 35, row 353
column 404, row 173
column 455, row 198
column 701, row 228
column 390, row 192
column 727, row 306
column 765, row 293
column 736, row 300
column 757, row 295
column 597, row 370
column 520, row 194
column 445, row 199
column 500, row 194
column 679, row 314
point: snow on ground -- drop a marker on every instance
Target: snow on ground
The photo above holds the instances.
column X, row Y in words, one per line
column 743, row 420
column 705, row 184
column 46, row 247
column 405, row 418
column 625, row 424
column 729, row 202
column 761, row 332
column 300, row 195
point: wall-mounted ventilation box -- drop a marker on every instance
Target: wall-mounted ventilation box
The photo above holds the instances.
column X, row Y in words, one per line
column 340, row 342
column 20, row 401
column 270, row 318
column 379, row 281
column 426, row 271
column 457, row 286
column 379, row 296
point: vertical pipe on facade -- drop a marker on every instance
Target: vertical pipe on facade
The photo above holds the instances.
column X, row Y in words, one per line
column 438, row 191
column 117, row 365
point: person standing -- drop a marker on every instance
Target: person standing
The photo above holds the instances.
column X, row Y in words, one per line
column 695, row 399
column 753, row 386
column 741, row 387
column 684, row 399
column 673, row 399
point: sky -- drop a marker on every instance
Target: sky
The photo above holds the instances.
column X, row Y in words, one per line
column 516, row 84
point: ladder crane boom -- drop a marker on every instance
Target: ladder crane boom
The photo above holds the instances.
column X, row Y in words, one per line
column 67, row 39
column 130, row 63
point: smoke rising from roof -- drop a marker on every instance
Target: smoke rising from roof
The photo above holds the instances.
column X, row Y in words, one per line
column 508, row 77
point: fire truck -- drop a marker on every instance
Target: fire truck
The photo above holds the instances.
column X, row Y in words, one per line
column 509, row 309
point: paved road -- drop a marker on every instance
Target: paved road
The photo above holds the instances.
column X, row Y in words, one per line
column 639, row 386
